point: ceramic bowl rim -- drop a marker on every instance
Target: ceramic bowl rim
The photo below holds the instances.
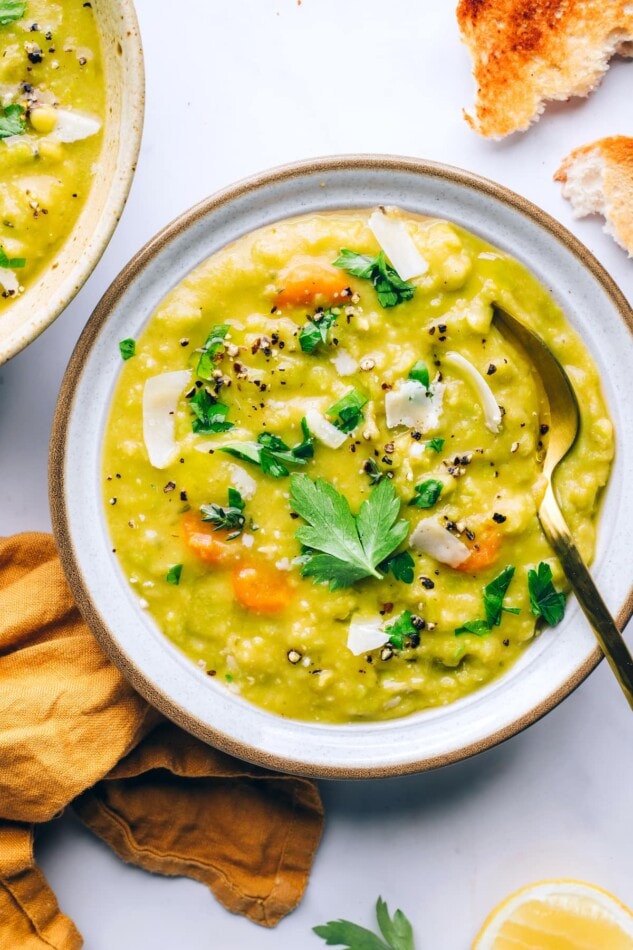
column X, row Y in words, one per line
column 141, row 680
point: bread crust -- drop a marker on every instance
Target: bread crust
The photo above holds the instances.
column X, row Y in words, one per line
column 525, row 52
column 612, row 160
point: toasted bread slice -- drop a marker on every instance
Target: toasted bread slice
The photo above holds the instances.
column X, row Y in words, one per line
column 528, row 51
column 598, row 179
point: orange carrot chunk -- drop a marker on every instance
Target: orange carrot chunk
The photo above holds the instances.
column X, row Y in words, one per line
column 261, row 588
column 484, row 552
column 208, row 545
column 311, row 283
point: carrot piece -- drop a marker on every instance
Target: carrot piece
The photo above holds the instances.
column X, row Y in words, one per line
column 208, row 545
column 310, row 283
column 483, row 553
column 261, row 588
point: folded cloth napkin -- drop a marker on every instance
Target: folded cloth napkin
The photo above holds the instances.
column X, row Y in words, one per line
column 73, row 731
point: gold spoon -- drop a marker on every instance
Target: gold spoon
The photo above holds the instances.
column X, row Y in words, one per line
column 563, row 430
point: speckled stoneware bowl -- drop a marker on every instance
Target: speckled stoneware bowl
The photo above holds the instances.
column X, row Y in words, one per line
column 125, row 100
column 553, row 665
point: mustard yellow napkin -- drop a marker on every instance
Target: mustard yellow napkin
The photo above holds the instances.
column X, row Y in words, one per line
column 73, row 730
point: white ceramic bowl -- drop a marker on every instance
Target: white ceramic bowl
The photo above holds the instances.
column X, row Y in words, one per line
column 124, row 74
column 553, row 665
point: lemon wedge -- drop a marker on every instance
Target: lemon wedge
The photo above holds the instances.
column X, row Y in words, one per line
column 558, row 915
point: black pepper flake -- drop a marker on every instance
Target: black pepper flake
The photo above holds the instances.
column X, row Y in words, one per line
column 183, row 496
column 416, row 435
column 34, row 28
column 386, row 653
column 441, row 338
column 427, row 583
column 506, row 643
column 209, row 672
column 492, row 369
column 35, row 56
column 386, row 608
column 418, row 622
column 82, row 60
column 169, row 487
column 543, row 428
column 294, row 515
column 386, row 386
column 113, row 501
column 387, row 460
column 184, row 341
column 390, row 448
column 499, row 518
column 432, row 331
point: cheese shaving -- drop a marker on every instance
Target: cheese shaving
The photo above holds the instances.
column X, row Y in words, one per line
column 410, row 404
column 365, row 635
column 160, row 401
column 73, row 126
column 431, row 538
column 492, row 412
column 324, row 431
column 395, row 240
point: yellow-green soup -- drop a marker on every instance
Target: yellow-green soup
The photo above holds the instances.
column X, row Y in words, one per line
column 398, row 570
column 52, row 104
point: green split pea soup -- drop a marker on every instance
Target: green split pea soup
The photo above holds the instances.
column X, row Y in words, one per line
column 323, row 463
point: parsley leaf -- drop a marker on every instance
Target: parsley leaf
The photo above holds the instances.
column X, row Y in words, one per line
column 11, row 261
column 428, row 493
column 371, row 468
column 315, row 331
column 396, row 930
column 545, row 600
column 402, row 629
column 493, row 595
column 347, row 412
column 11, row 121
column 272, row 454
column 344, row 548
column 229, row 518
column 420, row 372
column 173, row 574
column 389, row 286
column 11, row 10
column 401, row 566
column 209, row 414
column 127, row 348
column 494, row 592
column 479, row 627
column 213, row 345
column 436, row 444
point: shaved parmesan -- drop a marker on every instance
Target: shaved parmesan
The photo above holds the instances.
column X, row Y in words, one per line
column 410, row 404
column 9, row 280
column 160, row 401
column 492, row 412
column 245, row 483
column 344, row 363
column 431, row 538
column 324, row 431
column 365, row 635
column 72, row 126
column 395, row 240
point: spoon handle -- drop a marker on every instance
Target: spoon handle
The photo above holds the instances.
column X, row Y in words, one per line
column 609, row 637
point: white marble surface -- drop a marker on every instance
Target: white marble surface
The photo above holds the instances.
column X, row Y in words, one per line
column 235, row 87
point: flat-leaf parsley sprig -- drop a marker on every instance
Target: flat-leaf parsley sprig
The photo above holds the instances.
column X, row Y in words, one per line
column 389, row 286
column 342, row 548
column 397, row 932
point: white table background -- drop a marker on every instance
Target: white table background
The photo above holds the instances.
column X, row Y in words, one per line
column 233, row 87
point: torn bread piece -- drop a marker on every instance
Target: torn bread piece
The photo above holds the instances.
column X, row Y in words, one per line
column 598, row 179
column 526, row 52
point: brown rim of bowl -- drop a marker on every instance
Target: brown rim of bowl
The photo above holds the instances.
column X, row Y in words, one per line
column 133, row 84
column 72, row 569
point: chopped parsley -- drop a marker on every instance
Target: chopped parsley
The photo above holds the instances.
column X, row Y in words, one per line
column 209, row 414
column 228, row 518
column 436, row 445
column 315, row 331
column 173, row 574
column 428, row 493
column 212, row 347
column 396, row 931
column 11, row 10
column 420, row 373
column 493, row 596
column 127, row 348
column 545, row 600
column 11, row 261
column 389, row 286
column 347, row 412
column 342, row 548
column 272, row 454
column 401, row 566
column 11, row 120
column 404, row 629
